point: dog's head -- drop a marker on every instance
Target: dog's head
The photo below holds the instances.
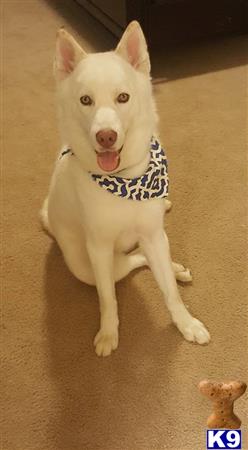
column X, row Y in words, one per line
column 106, row 108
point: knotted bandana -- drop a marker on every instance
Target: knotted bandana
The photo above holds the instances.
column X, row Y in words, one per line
column 154, row 183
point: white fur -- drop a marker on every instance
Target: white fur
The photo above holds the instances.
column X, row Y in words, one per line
column 95, row 230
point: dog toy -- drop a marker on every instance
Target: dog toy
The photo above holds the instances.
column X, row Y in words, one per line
column 223, row 396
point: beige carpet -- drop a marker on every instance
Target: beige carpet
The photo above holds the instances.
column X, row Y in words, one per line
column 57, row 395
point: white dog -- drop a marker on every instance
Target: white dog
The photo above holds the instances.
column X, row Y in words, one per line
column 106, row 202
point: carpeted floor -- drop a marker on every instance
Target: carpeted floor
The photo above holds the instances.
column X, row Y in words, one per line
column 57, row 394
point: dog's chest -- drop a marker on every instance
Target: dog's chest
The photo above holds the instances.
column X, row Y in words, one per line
column 98, row 211
column 119, row 216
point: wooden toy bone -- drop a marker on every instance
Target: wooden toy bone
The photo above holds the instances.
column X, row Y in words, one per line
column 223, row 396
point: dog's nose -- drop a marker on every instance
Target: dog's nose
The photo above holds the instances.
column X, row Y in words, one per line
column 106, row 138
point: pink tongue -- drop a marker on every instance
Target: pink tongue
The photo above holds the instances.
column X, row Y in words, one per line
column 108, row 160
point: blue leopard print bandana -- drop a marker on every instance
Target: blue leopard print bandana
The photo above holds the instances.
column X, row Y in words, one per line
column 154, row 183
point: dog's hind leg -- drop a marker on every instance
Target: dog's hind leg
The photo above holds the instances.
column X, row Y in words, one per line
column 79, row 263
column 125, row 263
column 76, row 257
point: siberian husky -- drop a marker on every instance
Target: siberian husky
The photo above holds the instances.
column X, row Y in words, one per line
column 107, row 196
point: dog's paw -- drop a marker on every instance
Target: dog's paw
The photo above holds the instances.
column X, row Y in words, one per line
column 194, row 331
column 105, row 342
column 181, row 273
column 185, row 276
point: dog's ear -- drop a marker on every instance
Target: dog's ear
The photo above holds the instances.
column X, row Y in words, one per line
column 68, row 54
column 133, row 48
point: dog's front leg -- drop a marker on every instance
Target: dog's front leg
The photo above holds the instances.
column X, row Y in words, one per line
column 157, row 251
column 101, row 257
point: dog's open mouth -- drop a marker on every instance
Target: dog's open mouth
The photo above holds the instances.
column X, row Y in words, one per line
column 108, row 160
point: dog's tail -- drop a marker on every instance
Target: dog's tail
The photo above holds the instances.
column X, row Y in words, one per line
column 168, row 205
column 44, row 217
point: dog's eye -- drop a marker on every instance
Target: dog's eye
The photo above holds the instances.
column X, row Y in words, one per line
column 86, row 100
column 123, row 97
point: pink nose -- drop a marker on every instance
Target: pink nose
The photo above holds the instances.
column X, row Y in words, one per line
column 106, row 138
